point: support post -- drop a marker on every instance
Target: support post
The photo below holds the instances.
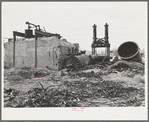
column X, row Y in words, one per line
column 36, row 49
column 14, row 40
column 93, row 49
column 107, row 41
column 94, row 38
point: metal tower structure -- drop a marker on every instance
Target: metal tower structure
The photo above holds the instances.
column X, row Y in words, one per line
column 101, row 42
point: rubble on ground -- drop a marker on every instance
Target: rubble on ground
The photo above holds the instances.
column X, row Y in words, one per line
column 117, row 85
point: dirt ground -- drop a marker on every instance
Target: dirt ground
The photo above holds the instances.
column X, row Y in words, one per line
column 110, row 85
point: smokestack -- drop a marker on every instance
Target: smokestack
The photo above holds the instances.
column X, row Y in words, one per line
column 106, row 33
column 94, row 33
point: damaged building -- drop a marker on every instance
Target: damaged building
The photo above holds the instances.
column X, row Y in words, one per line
column 48, row 50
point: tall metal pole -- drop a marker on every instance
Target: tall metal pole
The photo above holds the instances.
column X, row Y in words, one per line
column 14, row 40
column 35, row 49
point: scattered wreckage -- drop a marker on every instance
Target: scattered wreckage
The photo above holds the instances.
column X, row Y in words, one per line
column 49, row 50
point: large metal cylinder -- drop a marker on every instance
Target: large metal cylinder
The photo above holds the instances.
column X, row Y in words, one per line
column 98, row 58
column 77, row 62
column 129, row 51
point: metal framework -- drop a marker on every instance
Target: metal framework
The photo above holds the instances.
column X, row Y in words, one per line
column 38, row 33
column 101, row 42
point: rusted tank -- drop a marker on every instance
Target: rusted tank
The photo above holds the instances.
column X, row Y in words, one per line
column 77, row 62
column 129, row 51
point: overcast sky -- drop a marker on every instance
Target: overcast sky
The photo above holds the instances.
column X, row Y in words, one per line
column 74, row 20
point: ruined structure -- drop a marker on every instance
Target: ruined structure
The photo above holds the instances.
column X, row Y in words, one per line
column 43, row 49
column 39, row 50
column 51, row 52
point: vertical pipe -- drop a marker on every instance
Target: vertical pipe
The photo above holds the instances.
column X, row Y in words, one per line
column 14, row 37
column 36, row 49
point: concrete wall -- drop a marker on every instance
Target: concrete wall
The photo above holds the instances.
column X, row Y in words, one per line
column 51, row 52
column 8, row 54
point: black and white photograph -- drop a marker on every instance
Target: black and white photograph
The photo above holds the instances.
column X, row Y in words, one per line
column 74, row 60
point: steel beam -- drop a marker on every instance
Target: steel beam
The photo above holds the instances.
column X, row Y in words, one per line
column 18, row 34
column 40, row 33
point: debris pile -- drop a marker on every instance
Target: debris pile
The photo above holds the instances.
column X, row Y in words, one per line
column 9, row 96
column 118, row 84
column 26, row 73
column 126, row 64
column 72, row 94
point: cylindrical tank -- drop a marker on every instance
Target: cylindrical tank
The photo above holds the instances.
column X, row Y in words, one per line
column 84, row 59
column 77, row 62
column 129, row 51
column 98, row 58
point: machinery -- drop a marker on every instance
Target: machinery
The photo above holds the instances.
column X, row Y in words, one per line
column 101, row 42
column 29, row 34
column 45, row 49
column 38, row 31
column 77, row 62
column 38, row 48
